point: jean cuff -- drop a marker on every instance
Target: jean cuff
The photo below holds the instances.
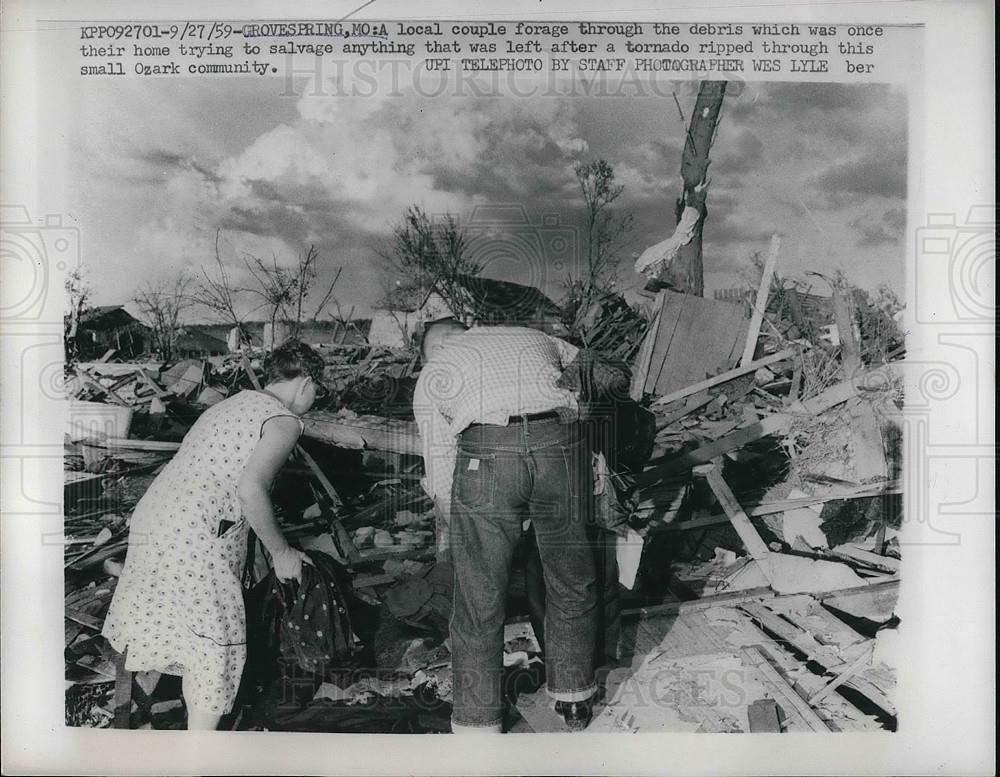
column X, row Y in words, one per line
column 488, row 728
column 579, row 695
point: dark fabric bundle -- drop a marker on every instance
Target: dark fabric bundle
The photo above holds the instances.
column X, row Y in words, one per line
column 311, row 621
column 424, row 596
column 596, row 379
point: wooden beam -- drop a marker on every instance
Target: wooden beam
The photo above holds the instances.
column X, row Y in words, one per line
column 792, row 704
column 769, row 508
column 760, row 304
column 773, row 424
column 845, row 675
column 78, row 616
column 741, row 522
column 843, row 315
column 364, row 432
column 803, row 642
column 112, row 396
column 692, row 404
column 796, row 637
column 640, row 371
column 123, row 694
column 694, row 605
column 725, row 377
column 886, row 563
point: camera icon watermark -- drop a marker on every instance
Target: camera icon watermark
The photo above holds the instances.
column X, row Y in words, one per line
column 959, row 258
column 34, row 252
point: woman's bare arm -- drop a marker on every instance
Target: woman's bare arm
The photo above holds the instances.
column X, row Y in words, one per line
column 277, row 440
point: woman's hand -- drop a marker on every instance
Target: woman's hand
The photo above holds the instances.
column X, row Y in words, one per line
column 288, row 563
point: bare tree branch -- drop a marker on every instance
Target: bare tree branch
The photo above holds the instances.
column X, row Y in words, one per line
column 160, row 308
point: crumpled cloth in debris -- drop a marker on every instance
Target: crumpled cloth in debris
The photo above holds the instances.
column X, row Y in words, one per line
column 652, row 260
column 415, row 598
column 310, row 621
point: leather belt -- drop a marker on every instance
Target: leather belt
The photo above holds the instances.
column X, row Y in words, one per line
column 533, row 417
column 549, row 415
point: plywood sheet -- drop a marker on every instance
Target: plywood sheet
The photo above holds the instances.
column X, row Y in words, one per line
column 697, row 338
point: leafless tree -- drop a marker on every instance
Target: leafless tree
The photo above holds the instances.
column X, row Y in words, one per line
column 285, row 290
column 427, row 255
column 161, row 306
column 216, row 292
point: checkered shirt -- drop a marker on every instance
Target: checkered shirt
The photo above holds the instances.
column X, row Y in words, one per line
column 484, row 375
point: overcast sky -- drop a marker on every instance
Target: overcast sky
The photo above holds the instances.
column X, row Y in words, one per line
column 158, row 165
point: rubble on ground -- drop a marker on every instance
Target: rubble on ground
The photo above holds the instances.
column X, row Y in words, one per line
column 761, row 582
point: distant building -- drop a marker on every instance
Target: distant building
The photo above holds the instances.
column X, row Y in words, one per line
column 193, row 344
column 353, row 332
column 484, row 302
column 110, row 326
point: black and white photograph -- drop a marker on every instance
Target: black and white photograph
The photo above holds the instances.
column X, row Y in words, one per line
column 498, row 374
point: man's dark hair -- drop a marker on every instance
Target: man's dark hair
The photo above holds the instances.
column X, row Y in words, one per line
column 440, row 324
column 290, row 360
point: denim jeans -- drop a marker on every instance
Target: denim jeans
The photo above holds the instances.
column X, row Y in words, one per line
column 540, row 470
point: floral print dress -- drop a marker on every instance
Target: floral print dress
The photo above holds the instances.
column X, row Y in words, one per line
column 178, row 606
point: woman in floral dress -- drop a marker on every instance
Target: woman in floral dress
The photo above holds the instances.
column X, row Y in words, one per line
column 178, row 607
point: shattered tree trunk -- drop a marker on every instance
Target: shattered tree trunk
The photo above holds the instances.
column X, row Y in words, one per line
column 686, row 273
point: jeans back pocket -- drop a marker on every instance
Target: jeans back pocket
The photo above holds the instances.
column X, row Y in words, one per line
column 475, row 479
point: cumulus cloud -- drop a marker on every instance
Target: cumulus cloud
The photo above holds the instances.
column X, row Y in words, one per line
column 339, row 171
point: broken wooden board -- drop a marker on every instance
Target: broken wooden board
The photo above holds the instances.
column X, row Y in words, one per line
column 800, row 634
column 760, row 303
column 867, row 450
column 695, row 337
column 885, row 563
column 720, row 628
column 739, row 519
column 777, row 423
column 725, row 377
column 791, row 703
column 650, row 501
column 364, row 432
column 876, row 602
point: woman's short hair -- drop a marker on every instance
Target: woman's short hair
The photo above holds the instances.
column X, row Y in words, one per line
column 290, row 360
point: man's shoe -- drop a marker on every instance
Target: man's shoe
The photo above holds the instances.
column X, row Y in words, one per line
column 577, row 714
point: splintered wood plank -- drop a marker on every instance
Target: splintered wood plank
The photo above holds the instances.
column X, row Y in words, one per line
column 788, row 699
column 773, row 424
column 727, row 376
column 645, row 354
column 795, row 636
column 760, row 303
column 867, row 450
column 669, row 316
column 123, row 694
column 876, row 602
column 698, row 337
column 845, row 675
column 802, row 640
column 741, row 521
column 364, row 432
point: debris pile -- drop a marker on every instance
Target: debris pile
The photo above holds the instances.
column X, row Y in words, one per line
column 759, row 535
